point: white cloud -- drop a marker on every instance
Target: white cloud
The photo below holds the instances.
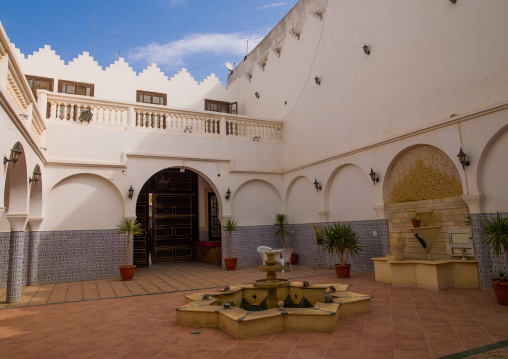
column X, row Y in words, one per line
column 174, row 54
column 275, row 4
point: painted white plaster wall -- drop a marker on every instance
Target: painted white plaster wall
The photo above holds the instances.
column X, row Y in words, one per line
column 350, row 195
column 494, row 175
column 302, row 202
column 256, row 202
column 82, row 202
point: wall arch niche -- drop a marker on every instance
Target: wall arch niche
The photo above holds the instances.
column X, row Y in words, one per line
column 350, row 195
column 256, row 202
column 493, row 173
column 302, row 204
column 424, row 178
column 82, row 202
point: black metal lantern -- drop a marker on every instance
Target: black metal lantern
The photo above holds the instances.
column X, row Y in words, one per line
column 317, row 185
column 453, row 1
column 373, row 177
column 318, row 80
column 15, row 153
column 86, row 115
column 228, row 194
column 256, row 94
column 131, row 192
column 36, row 176
column 462, row 159
column 366, row 49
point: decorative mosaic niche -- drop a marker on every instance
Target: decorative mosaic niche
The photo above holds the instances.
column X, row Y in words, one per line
column 421, row 173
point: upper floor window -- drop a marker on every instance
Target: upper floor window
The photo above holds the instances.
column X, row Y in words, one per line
column 75, row 88
column 154, row 98
column 36, row 83
column 220, row 106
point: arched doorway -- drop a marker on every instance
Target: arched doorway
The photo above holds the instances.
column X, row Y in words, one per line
column 177, row 207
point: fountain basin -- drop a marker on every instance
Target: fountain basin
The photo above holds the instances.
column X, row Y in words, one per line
column 309, row 312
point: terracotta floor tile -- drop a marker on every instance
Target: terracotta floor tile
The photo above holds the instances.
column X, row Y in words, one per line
column 378, row 333
column 308, row 350
column 400, row 354
column 354, row 342
column 247, row 346
column 176, row 352
column 205, row 354
column 264, row 356
column 240, row 355
column 374, row 343
column 412, row 345
column 376, row 354
column 277, row 348
column 341, row 353
column 446, row 346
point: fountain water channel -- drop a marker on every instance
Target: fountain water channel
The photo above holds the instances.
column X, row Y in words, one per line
column 271, row 305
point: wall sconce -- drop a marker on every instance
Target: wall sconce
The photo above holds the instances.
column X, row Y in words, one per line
column 131, row 192
column 318, row 80
column 462, row 159
column 35, row 176
column 86, row 115
column 256, row 138
column 228, row 194
column 188, row 128
column 317, row 185
column 453, row 1
column 15, row 153
column 23, row 116
column 256, row 94
column 373, row 177
column 366, row 49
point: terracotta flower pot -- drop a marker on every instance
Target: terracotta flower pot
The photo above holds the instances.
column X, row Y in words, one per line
column 500, row 290
column 230, row 263
column 127, row 272
column 342, row 271
column 293, row 259
column 416, row 223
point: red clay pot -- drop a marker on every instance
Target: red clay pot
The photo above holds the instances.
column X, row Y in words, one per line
column 127, row 272
column 294, row 257
column 230, row 263
column 342, row 271
column 500, row 290
column 416, row 222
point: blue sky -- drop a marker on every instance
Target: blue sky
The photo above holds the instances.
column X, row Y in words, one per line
column 200, row 35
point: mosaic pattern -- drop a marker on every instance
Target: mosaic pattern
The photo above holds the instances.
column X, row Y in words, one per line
column 18, row 261
column 488, row 264
column 33, row 257
column 492, row 351
column 424, row 172
column 4, row 257
column 303, row 241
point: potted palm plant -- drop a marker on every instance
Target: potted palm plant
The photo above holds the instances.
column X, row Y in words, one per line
column 342, row 241
column 496, row 236
column 128, row 226
column 230, row 226
column 281, row 230
column 416, row 221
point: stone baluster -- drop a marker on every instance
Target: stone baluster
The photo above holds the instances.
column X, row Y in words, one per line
column 52, row 111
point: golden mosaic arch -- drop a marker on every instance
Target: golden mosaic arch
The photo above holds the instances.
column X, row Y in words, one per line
column 421, row 173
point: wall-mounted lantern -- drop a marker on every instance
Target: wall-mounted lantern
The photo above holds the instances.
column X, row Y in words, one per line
column 453, row 1
column 131, row 192
column 36, row 176
column 256, row 94
column 373, row 177
column 15, row 153
column 188, row 128
column 318, row 80
column 228, row 194
column 317, row 185
column 462, row 159
column 366, row 49
column 86, row 115
column 256, row 138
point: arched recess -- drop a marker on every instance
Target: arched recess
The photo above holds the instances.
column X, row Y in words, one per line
column 82, row 201
column 301, row 201
column 492, row 173
column 424, row 178
column 348, row 195
column 16, row 186
column 256, row 202
column 421, row 172
column 36, row 195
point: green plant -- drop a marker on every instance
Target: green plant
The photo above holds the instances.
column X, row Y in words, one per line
column 415, row 218
column 281, row 227
column 495, row 230
column 230, row 226
column 501, row 277
column 342, row 241
column 129, row 226
column 319, row 234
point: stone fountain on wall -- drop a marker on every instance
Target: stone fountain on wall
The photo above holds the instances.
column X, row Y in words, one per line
column 431, row 274
column 272, row 305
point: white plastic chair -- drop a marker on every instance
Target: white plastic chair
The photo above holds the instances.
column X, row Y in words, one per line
column 285, row 257
column 262, row 250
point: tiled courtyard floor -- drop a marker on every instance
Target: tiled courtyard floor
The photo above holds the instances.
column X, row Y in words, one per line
column 405, row 323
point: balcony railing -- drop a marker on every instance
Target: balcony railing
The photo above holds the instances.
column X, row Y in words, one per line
column 64, row 108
